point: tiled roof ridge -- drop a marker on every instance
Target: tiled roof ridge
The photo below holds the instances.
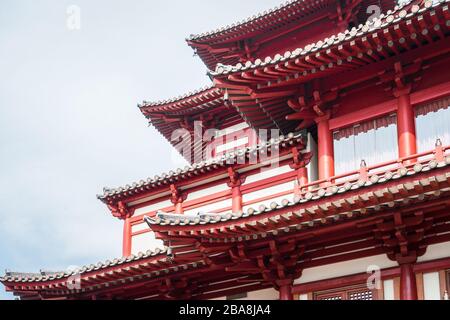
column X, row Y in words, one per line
column 219, row 161
column 240, row 23
column 174, row 220
column 180, row 97
column 206, row 218
column 47, row 275
column 17, row 274
column 399, row 13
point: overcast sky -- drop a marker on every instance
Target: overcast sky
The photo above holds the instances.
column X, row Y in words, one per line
column 69, row 124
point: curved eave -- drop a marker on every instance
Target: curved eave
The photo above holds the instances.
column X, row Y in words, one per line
column 317, row 208
column 400, row 14
column 258, row 23
column 265, row 87
column 206, row 104
column 183, row 102
column 285, row 15
column 40, row 278
column 101, row 276
column 197, row 169
column 268, row 21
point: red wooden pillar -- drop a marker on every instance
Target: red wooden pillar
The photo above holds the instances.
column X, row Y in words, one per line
column 300, row 161
column 126, row 248
column 286, row 293
column 406, row 128
column 236, row 200
column 285, row 289
column 302, row 177
column 177, row 199
column 302, row 180
column 236, row 195
column 325, row 148
column 408, row 287
column 179, row 207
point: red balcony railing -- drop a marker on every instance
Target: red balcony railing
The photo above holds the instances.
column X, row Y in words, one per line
column 365, row 173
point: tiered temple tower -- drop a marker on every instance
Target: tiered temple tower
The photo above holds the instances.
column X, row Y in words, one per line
column 319, row 161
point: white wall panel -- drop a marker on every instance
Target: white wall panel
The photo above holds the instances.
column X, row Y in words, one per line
column 436, row 251
column 267, row 192
column 139, row 227
column 287, row 186
column 431, row 288
column 265, row 294
column 388, row 289
column 153, row 207
column 207, row 191
column 230, row 145
column 267, row 173
column 145, row 241
column 344, row 268
column 210, row 208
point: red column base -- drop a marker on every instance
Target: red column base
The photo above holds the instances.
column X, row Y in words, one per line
column 408, row 286
column 325, row 149
column 179, row 208
column 285, row 289
column 236, row 195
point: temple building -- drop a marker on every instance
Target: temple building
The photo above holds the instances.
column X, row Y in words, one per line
column 319, row 166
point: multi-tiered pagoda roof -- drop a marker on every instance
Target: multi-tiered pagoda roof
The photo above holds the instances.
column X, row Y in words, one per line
column 264, row 77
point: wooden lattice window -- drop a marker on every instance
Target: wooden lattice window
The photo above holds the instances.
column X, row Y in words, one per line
column 365, row 294
column 350, row 293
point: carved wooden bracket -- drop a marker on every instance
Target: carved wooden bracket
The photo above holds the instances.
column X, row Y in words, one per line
column 402, row 238
column 402, row 79
column 300, row 160
column 277, row 264
column 308, row 108
column 235, row 179
column 177, row 195
column 345, row 14
column 120, row 210
column 187, row 124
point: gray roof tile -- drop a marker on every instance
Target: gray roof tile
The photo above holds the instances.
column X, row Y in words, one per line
column 163, row 218
column 385, row 20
